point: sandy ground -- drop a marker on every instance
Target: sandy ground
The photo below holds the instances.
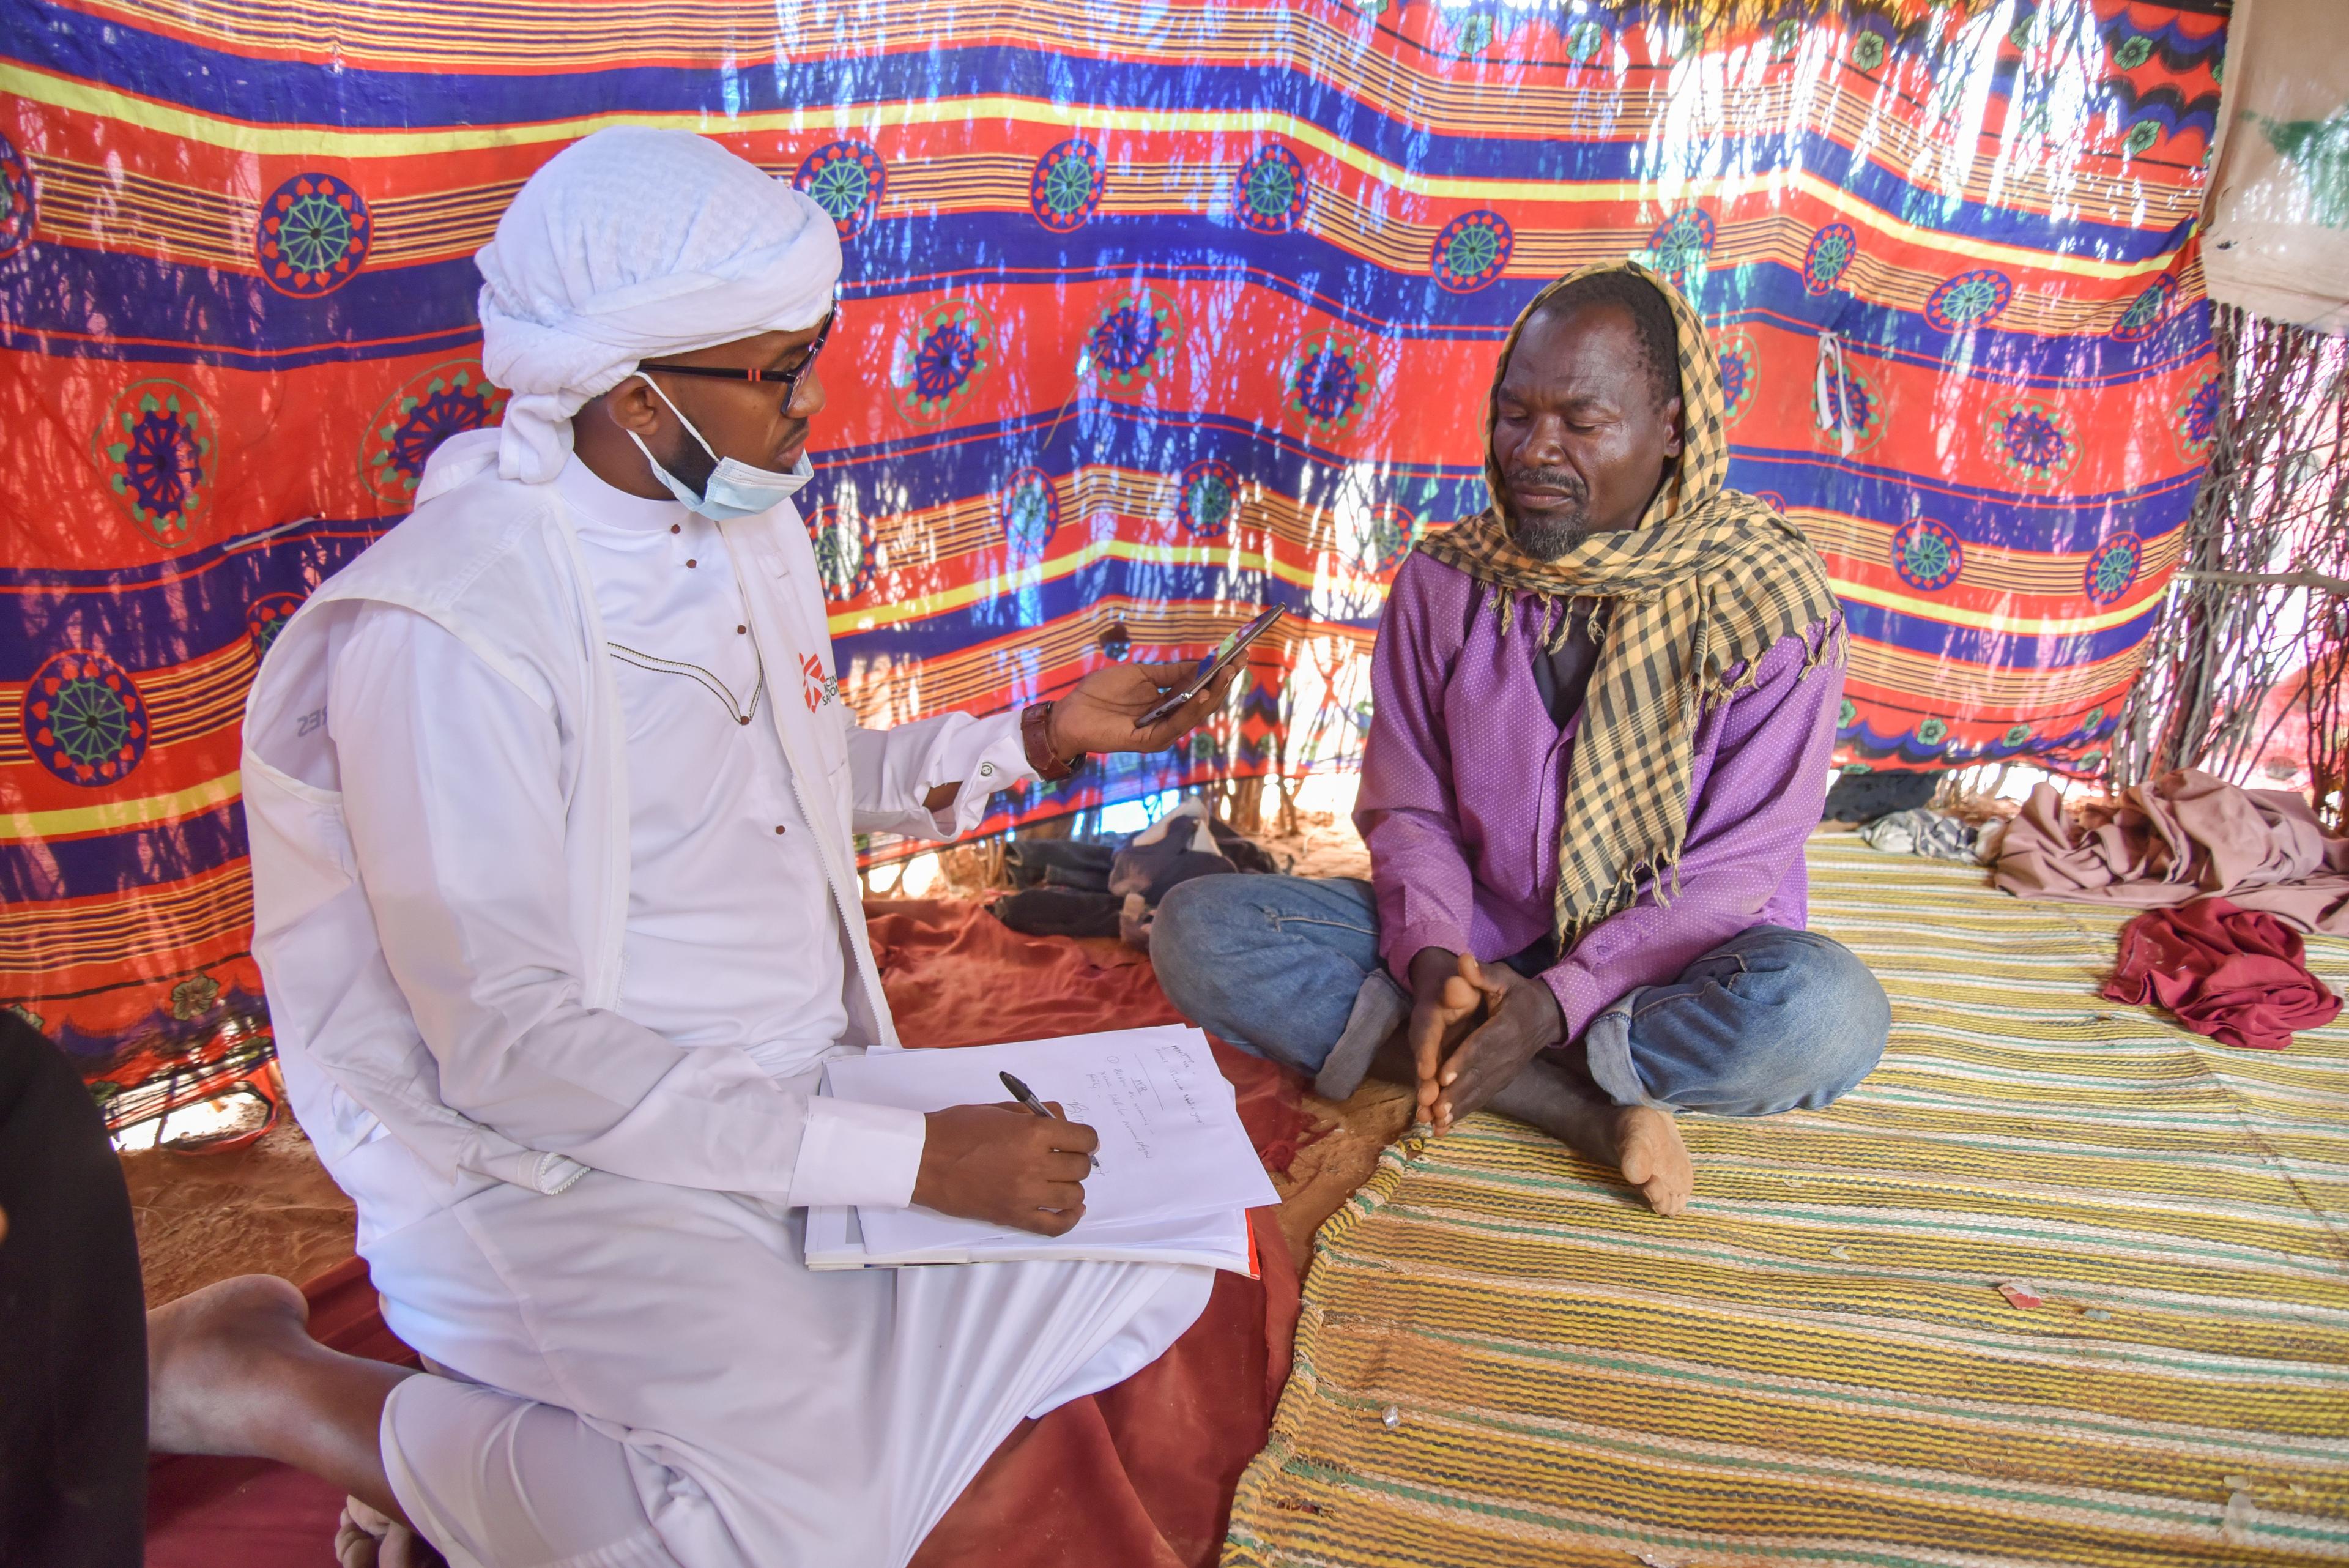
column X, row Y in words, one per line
column 271, row 1208
column 266, row 1209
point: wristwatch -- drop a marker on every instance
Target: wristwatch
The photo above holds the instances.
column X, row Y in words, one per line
column 1035, row 733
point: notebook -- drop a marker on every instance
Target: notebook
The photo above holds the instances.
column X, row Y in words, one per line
column 1177, row 1172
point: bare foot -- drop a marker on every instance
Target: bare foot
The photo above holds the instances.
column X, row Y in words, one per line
column 366, row 1538
column 1653, row 1158
column 209, row 1356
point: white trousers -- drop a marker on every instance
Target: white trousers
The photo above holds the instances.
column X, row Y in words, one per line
column 646, row 1376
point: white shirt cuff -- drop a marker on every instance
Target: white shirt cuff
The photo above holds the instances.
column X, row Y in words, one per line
column 859, row 1154
column 1001, row 763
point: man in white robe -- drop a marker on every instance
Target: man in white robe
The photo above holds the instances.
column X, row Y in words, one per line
column 552, row 796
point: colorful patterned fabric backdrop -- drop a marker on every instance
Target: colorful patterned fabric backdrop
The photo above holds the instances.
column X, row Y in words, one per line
column 1153, row 312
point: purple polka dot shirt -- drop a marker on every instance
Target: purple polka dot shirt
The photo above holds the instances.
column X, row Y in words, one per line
column 1463, row 779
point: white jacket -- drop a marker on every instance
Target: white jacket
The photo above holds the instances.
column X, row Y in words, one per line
column 496, row 563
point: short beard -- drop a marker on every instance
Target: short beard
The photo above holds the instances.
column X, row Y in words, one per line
column 1547, row 538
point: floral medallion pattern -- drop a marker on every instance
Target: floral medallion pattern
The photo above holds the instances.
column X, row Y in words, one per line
column 314, row 234
column 1209, row 499
column 155, row 448
column 1330, row 380
column 83, row 719
column 1066, row 187
column 1133, row 342
column 1269, row 196
column 847, row 179
column 940, row 360
column 1927, row 554
column 1471, row 251
column 447, row 399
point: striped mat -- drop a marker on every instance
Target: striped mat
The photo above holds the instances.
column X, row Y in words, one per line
column 1503, row 1361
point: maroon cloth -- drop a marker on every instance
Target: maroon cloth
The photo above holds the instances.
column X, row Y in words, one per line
column 2231, row 974
column 1140, row 1475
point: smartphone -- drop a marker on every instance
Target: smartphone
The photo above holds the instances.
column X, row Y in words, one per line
column 1227, row 653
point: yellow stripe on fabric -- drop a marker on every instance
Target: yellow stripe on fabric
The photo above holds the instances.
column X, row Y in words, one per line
column 2020, row 626
column 322, row 141
column 870, row 617
column 114, row 815
column 1328, row 49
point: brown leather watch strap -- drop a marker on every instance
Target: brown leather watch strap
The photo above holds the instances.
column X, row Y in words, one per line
column 1035, row 732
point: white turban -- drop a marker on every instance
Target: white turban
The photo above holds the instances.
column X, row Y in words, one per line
column 629, row 245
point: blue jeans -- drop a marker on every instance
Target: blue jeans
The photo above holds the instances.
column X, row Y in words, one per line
column 1771, row 1020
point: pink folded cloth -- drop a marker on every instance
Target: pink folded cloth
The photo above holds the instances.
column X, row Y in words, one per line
column 2186, row 835
column 2231, row 974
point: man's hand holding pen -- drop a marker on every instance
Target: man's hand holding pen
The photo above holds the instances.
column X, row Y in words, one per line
column 1006, row 1166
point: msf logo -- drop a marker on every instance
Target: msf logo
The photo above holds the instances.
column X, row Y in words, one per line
column 816, row 686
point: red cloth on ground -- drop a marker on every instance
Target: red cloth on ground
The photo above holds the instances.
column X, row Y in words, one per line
column 1140, row 1475
column 2234, row 974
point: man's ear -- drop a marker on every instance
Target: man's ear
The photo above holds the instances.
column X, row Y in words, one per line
column 631, row 405
column 1673, row 417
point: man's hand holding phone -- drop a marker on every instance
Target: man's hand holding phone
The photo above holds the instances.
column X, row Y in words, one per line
column 1098, row 714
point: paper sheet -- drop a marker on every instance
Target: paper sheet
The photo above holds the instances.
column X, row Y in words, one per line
column 1172, row 1144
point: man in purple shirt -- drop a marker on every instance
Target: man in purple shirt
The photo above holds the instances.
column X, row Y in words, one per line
column 1604, row 714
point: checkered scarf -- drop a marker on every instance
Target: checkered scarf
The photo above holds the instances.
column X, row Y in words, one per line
column 1708, row 582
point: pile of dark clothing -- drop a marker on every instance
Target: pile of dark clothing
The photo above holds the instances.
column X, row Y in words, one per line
column 1110, row 887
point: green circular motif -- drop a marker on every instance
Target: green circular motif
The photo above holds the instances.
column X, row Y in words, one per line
column 840, row 188
column 1028, row 518
column 2134, row 52
column 2025, row 30
column 1067, row 186
column 1856, row 769
column 315, row 234
column 2142, row 136
column 1472, row 250
column 1929, row 556
column 1933, row 731
column 1867, row 51
column 1270, row 188
column 1850, row 712
column 1972, row 298
column 2116, row 570
column 2096, row 717
column 1784, row 37
column 90, row 721
column 2017, row 735
column 1475, row 37
column 1209, row 502
column 1582, row 41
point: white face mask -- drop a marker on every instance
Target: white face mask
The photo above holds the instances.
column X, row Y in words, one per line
column 735, row 488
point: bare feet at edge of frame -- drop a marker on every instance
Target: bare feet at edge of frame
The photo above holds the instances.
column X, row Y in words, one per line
column 366, row 1538
column 208, row 1358
column 1649, row 1153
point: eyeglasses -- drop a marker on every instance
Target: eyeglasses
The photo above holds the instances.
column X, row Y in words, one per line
column 790, row 379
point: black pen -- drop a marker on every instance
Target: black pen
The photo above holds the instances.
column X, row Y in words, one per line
column 1027, row 1096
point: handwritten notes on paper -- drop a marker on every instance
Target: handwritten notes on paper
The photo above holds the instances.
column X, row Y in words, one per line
column 1171, row 1145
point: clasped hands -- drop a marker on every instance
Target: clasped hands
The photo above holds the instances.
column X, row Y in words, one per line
column 1473, row 1029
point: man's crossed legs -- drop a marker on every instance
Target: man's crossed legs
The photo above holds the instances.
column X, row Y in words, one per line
column 1771, row 1019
